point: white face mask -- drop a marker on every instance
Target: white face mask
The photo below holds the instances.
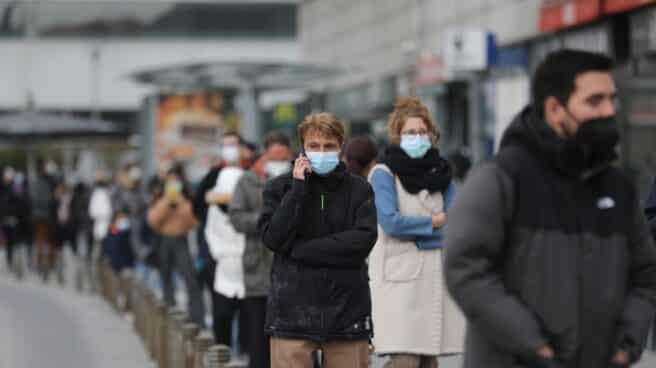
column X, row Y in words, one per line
column 9, row 174
column 51, row 168
column 135, row 173
column 230, row 153
column 276, row 168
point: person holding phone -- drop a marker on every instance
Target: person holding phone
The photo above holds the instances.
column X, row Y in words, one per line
column 171, row 217
column 320, row 223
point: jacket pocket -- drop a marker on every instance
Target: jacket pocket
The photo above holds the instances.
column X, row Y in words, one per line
column 402, row 261
column 252, row 258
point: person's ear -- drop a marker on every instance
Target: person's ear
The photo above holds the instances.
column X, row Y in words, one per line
column 555, row 115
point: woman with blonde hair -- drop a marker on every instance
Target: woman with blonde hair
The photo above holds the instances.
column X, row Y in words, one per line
column 415, row 320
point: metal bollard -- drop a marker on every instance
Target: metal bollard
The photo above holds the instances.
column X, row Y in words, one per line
column 174, row 325
column 102, row 279
column 138, row 308
column 217, row 356
column 236, row 365
column 111, row 286
column 189, row 333
column 145, row 323
column 159, row 330
column 135, row 297
column 127, row 281
column 152, row 322
column 202, row 342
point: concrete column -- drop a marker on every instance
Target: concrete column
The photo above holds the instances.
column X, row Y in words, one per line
column 251, row 128
column 476, row 129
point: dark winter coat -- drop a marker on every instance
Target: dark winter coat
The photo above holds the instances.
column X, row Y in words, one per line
column 201, row 207
column 650, row 209
column 80, row 207
column 14, row 207
column 118, row 248
column 538, row 253
column 43, row 203
column 321, row 232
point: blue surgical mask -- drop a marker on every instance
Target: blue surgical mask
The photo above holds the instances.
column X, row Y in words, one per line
column 415, row 146
column 123, row 224
column 323, row 163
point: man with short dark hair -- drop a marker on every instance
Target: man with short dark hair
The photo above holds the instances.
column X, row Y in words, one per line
column 548, row 252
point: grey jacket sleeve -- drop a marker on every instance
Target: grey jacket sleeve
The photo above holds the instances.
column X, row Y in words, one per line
column 641, row 298
column 243, row 212
column 475, row 241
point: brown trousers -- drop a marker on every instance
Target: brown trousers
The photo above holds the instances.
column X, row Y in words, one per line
column 411, row 361
column 292, row 353
column 44, row 242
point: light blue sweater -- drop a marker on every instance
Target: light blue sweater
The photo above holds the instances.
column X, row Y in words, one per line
column 417, row 228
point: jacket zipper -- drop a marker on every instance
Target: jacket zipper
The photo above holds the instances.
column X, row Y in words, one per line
column 323, row 272
column 581, row 256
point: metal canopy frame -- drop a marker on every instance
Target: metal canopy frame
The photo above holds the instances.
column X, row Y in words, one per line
column 35, row 127
column 236, row 74
column 250, row 78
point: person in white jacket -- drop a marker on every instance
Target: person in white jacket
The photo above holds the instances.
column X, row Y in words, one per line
column 100, row 212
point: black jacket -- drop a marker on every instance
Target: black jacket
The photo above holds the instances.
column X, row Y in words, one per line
column 650, row 209
column 538, row 252
column 321, row 233
column 201, row 207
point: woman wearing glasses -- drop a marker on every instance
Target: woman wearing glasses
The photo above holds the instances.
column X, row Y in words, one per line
column 414, row 318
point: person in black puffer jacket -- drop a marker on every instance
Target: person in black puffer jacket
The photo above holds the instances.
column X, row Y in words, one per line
column 320, row 222
column 650, row 211
column 548, row 251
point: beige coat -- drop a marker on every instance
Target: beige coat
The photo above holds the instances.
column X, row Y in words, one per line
column 412, row 311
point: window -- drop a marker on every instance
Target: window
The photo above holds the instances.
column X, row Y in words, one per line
column 151, row 19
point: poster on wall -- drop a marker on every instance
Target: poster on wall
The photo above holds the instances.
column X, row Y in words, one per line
column 189, row 128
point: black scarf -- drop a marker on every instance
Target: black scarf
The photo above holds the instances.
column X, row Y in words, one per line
column 431, row 172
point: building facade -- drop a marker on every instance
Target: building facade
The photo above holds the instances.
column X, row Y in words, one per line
column 79, row 55
column 471, row 62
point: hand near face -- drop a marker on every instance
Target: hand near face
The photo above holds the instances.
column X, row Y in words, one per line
column 301, row 166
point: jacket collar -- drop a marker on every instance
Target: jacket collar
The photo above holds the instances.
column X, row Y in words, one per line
column 330, row 182
column 532, row 133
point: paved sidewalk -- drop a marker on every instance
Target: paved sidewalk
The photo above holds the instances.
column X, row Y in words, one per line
column 50, row 326
column 648, row 361
column 54, row 326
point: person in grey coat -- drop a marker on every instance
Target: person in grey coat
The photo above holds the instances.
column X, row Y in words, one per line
column 548, row 251
column 244, row 212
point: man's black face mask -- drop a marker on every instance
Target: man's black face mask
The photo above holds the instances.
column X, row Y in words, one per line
column 599, row 135
column 594, row 141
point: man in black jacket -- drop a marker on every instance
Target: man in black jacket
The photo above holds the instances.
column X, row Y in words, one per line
column 548, row 252
column 320, row 222
column 650, row 211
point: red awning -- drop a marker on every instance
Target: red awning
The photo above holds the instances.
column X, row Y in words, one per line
column 559, row 14
column 616, row 6
column 430, row 69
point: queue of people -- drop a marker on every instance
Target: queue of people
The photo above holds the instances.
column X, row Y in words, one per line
column 542, row 257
